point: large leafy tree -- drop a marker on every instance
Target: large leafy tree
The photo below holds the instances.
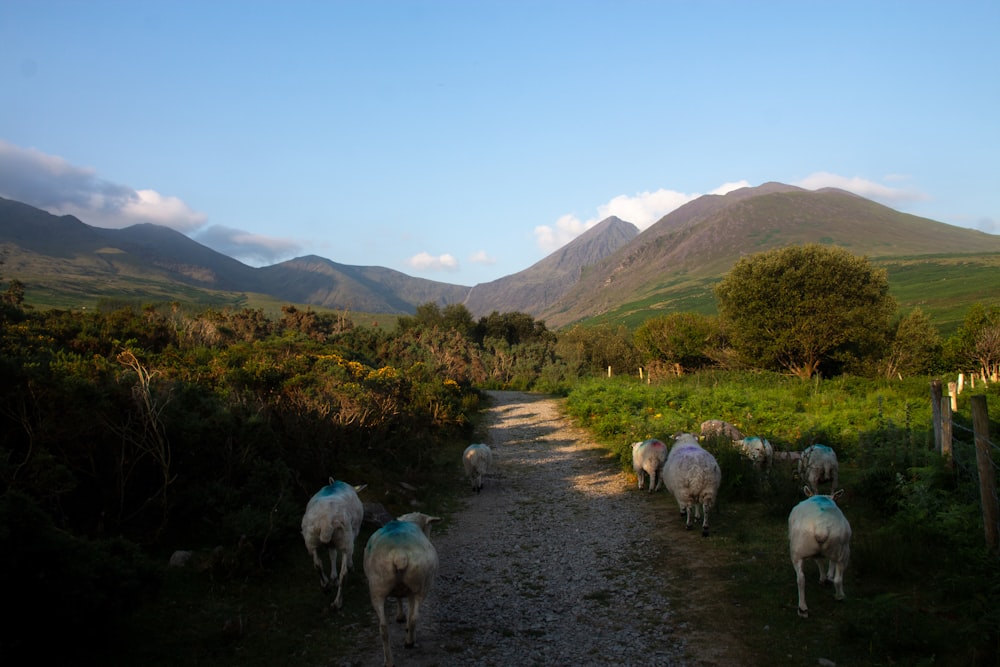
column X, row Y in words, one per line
column 805, row 309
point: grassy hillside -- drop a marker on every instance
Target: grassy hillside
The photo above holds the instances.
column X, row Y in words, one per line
column 697, row 244
column 943, row 286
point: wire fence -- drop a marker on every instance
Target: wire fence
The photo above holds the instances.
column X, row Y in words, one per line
column 973, row 455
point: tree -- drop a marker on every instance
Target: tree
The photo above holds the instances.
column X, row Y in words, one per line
column 593, row 349
column 682, row 339
column 975, row 347
column 805, row 308
column 915, row 348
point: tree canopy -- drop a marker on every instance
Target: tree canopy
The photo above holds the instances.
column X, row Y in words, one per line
column 805, row 308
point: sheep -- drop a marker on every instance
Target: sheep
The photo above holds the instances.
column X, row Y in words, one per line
column 477, row 460
column 818, row 464
column 716, row 428
column 648, row 457
column 788, row 456
column 333, row 517
column 817, row 528
column 758, row 450
column 400, row 561
column 692, row 476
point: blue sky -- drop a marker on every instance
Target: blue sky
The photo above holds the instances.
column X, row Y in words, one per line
column 463, row 141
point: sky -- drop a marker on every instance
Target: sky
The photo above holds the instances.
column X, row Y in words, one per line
column 464, row 140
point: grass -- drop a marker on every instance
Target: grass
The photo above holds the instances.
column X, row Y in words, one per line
column 920, row 587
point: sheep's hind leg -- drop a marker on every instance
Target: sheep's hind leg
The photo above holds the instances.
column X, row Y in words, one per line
column 400, row 615
column 411, row 622
column 344, row 562
column 383, row 630
column 800, row 581
column 838, row 580
column 318, row 564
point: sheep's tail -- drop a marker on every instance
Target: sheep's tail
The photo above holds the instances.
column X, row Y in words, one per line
column 400, row 561
column 821, row 534
column 326, row 532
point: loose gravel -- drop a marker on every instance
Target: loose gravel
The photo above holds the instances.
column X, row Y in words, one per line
column 560, row 560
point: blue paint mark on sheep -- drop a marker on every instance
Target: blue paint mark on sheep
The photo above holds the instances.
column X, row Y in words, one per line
column 333, row 489
column 397, row 532
column 823, row 503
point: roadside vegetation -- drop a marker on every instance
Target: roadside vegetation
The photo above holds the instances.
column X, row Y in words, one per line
column 129, row 432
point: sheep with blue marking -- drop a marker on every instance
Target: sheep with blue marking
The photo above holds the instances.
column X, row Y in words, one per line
column 333, row 519
column 817, row 528
column 758, row 450
column 817, row 465
column 400, row 561
column 648, row 458
column 477, row 460
column 692, row 476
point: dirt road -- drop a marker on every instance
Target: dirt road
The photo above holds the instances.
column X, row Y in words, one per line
column 562, row 560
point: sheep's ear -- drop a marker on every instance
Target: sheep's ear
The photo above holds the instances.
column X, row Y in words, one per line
column 331, row 480
column 806, row 490
column 360, row 487
column 838, row 494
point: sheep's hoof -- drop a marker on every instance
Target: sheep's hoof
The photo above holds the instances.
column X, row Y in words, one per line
column 803, row 613
column 704, row 532
column 687, row 527
column 410, row 645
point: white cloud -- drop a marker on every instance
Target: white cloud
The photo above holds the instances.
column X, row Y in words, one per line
column 426, row 262
column 254, row 249
column 642, row 210
column 481, row 257
column 51, row 183
column 864, row 187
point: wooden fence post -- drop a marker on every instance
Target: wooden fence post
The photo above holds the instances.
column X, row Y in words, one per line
column 953, row 394
column 946, row 433
column 987, row 477
column 936, row 413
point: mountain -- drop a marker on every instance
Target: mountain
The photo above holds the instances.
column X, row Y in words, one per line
column 369, row 289
column 149, row 262
column 544, row 283
column 82, row 263
column 612, row 272
column 674, row 263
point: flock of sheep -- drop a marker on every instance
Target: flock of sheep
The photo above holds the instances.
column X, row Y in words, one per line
column 401, row 562
column 816, row 526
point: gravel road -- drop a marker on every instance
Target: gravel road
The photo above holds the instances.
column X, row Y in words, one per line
column 560, row 560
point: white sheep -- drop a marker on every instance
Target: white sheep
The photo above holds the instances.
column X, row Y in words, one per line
column 758, row 450
column 477, row 460
column 716, row 428
column 818, row 464
column 693, row 477
column 333, row 517
column 817, row 528
column 648, row 457
column 400, row 561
